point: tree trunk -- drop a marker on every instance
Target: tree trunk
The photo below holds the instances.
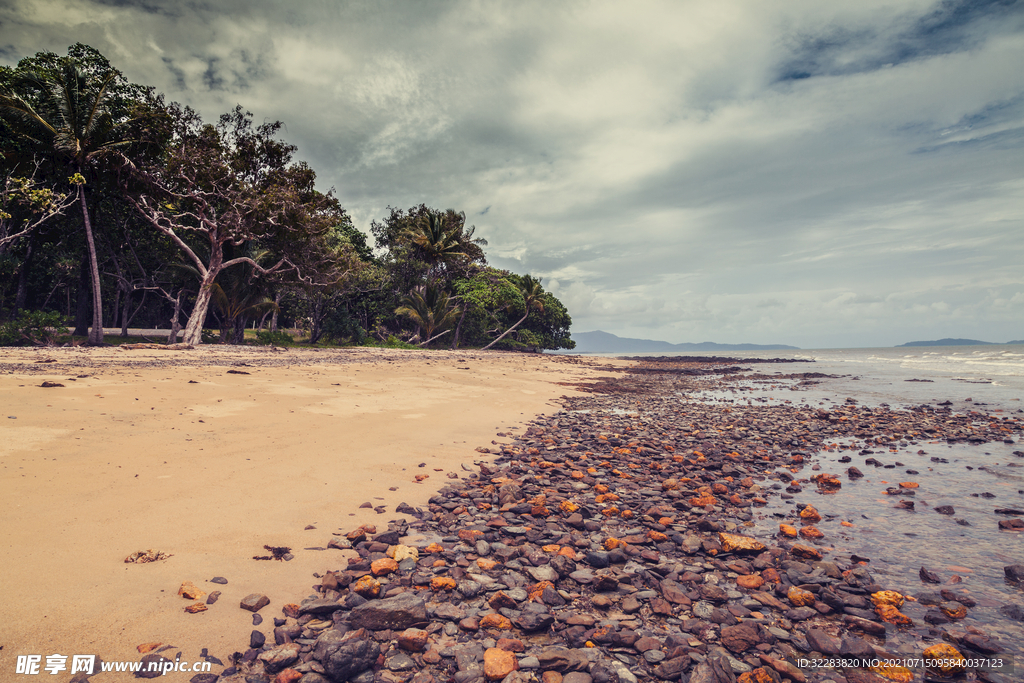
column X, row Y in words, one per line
column 458, row 328
column 175, row 325
column 238, row 331
column 508, row 331
column 124, row 312
column 96, row 332
column 194, row 328
column 22, row 295
column 82, row 310
column 273, row 320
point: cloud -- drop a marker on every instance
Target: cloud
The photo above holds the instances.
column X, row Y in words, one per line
column 809, row 173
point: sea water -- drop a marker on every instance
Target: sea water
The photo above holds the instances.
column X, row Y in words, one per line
column 967, row 550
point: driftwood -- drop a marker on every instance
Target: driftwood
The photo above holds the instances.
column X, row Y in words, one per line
column 161, row 347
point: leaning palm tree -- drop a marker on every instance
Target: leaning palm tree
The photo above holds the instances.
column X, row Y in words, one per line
column 71, row 117
column 431, row 309
column 532, row 299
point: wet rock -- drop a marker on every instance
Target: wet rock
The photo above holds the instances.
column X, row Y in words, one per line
column 498, row 664
column 741, row 637
column 280, row 657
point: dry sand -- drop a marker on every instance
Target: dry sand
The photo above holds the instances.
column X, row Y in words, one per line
column 130, row 455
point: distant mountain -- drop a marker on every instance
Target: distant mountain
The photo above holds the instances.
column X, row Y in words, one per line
column 605, row 342
column 951, row 342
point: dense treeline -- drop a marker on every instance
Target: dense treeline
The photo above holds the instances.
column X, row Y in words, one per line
column 120, row 209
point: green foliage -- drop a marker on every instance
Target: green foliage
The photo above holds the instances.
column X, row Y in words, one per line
column 209, row 337
column 340, row 326
column 430, row 308
column 33, row 328
column 274, row 338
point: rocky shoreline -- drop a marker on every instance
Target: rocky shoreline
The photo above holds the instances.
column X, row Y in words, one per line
column 610, row 543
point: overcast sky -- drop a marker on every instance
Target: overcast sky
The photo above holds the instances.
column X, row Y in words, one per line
column 814, row 173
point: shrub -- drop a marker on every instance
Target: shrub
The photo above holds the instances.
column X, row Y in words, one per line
column 278, row 338
column 36, row 328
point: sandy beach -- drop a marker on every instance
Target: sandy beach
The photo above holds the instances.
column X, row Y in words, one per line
column 210, row 454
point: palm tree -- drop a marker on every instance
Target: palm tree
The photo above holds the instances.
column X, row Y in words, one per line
column 443, row 241
column 431, row 309
column 532, row 298
column 72, row 118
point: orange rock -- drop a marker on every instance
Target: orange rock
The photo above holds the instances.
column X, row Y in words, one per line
column 787, row 530
column 553, row 548
column 665, row 521
column 799, row 597
column 538, row 589
column 891, row 615
column 147, row 647
column 771, row 575
column 288, row 676
column 845, row 524
column 612, row 543
column 442, row 583
column 610, row 512
column 887, row 598
column 953, row 610
column 567, row 506
column 498, row 663
column 412, row 639
column 945, row 659
column 576, row 474
column 720, row 489
column 383, row 566
column 540, row 511
column 438, row 563
column 810, row 515
column 758, row 675
column 737, row 542
column 671, row 484
column 627, row 514
column 196, row 607
column 601, row 488
column 703, row 501
column 827, row 482
column 367, row 586
column 486, row 563
column 657, row 536
column 567, row 552
column 805, row 552
column 291, row 610
column 189, row 591
column 811, row 532
column 433, row 548
column 498, row 621
column 750, row 581
column 908, row 485
column 899, row 674
column 606, row 497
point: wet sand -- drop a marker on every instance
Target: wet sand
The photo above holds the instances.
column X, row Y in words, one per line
column 166, row 450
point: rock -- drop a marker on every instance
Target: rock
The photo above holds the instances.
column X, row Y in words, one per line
column 254, row 602
column 800, row 597
column 562, row 660
column 403, row 611
column 412, row 640
column 320, row 606
column 196, row 607
column 189, row 591
column 741, row 637
column 823, row 642
column 279, row 657
column 1014, row 572
column 257, row 639
column 945, row 510
column 212, row 597
column 735, row 543
column 944, row 659
column 928, row 576
column 343, row 655
column 384, row 566
column 498, row 664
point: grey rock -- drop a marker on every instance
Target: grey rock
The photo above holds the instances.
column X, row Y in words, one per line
column 345, row 654
column 280, row 657
column 254, row 602
column 400, row 612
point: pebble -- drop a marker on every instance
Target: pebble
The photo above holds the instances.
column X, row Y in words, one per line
column 607, row 543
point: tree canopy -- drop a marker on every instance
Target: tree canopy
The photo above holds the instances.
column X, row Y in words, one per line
column 219, row 224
